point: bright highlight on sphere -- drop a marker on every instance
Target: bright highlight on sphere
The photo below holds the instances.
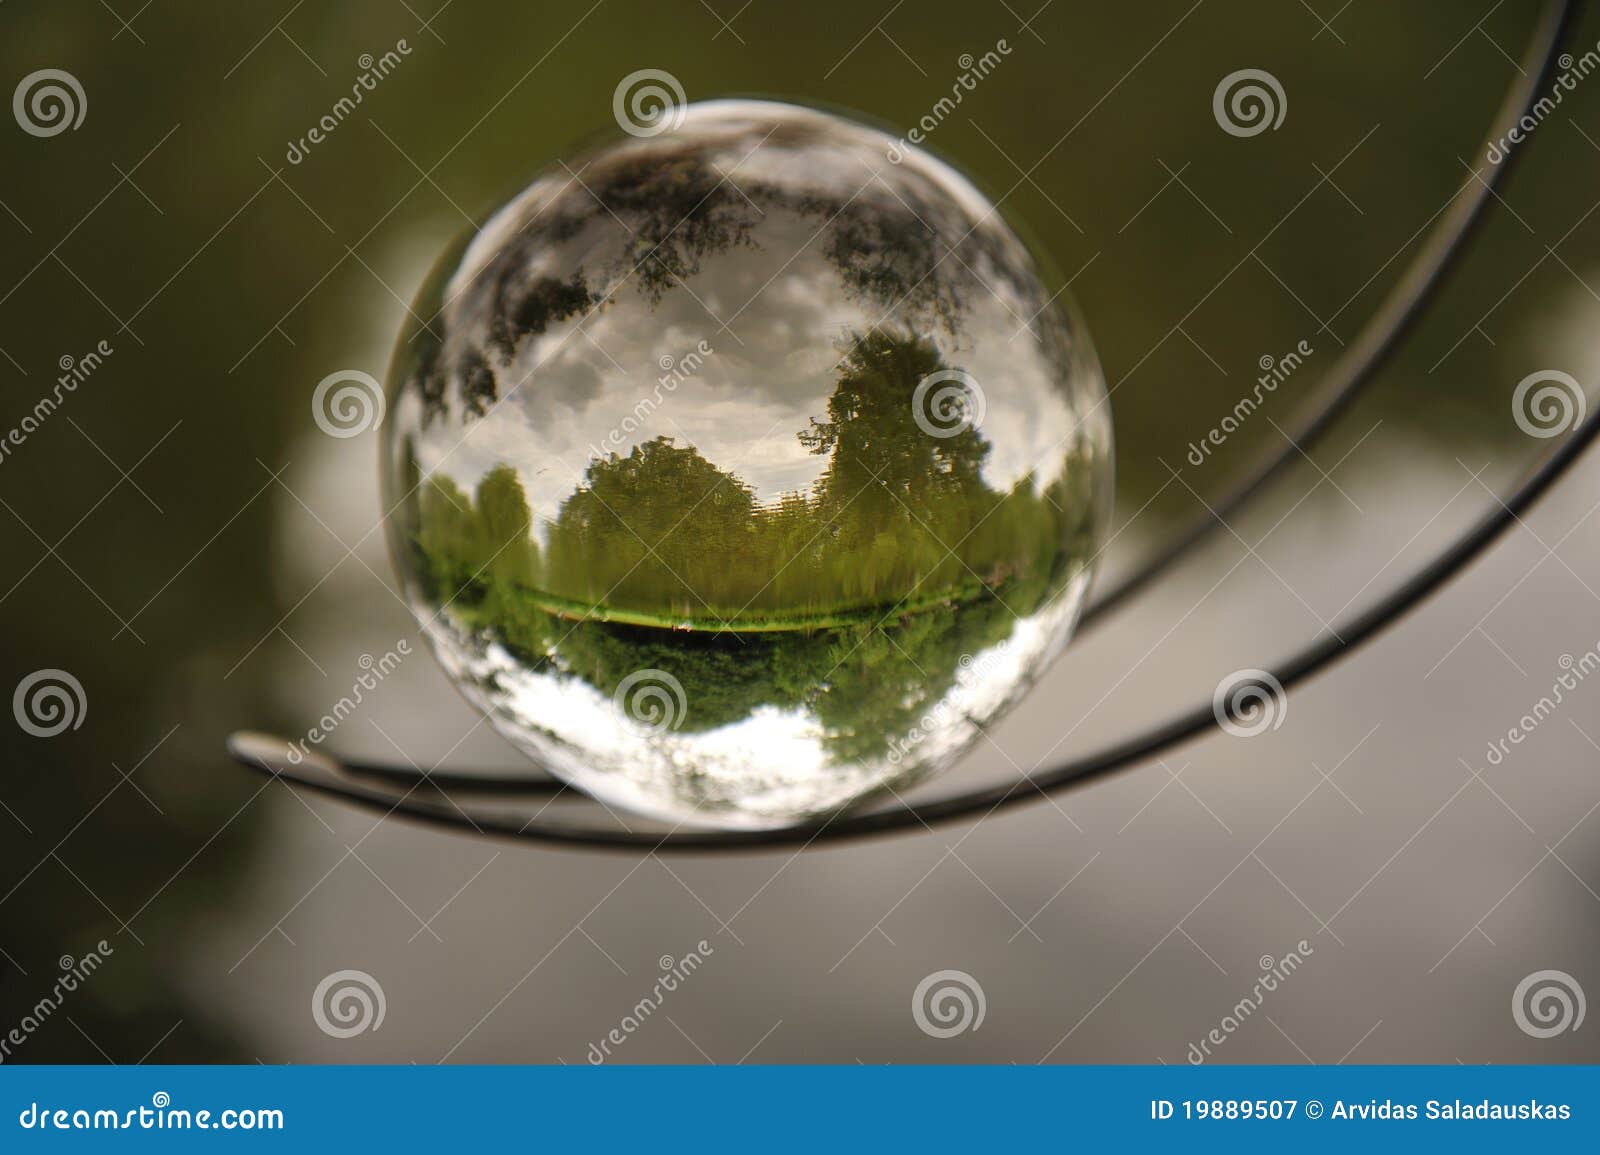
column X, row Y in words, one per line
column 740, row 474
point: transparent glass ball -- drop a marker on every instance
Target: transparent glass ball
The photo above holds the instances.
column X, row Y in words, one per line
column 745, row 471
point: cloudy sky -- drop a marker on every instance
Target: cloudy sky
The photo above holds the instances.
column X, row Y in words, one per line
column 775, row 314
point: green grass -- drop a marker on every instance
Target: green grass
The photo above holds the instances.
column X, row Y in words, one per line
column 739, row 621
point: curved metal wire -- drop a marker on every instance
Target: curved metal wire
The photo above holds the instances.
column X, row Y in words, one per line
column 1355, row 367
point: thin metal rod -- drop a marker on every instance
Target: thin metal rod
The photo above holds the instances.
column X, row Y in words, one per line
column 1356, row 367
column 1312, row 660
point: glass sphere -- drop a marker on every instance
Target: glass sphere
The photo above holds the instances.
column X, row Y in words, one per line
column 744, row 471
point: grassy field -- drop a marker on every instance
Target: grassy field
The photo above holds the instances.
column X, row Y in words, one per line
column 712, row 618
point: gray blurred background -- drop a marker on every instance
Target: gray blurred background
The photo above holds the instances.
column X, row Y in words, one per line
column 182, row 539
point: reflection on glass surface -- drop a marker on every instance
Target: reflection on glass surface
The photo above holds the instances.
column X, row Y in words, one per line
column 740, row 474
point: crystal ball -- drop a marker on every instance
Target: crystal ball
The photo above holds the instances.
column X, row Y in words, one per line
column 745, row 470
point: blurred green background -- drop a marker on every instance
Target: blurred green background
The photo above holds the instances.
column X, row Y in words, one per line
column 146, row 547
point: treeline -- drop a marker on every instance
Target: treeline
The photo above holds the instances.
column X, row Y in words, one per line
column 898, row 516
